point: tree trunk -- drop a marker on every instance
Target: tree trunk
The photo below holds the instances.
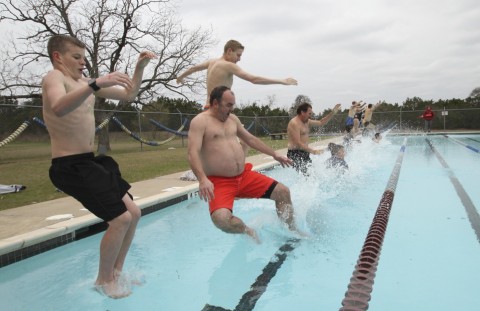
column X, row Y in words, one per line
column 103, row 136
column 103, row 141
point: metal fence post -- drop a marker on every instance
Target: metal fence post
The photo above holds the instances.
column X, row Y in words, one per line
column 139, row 126
column 400, row 118
column 444, row 113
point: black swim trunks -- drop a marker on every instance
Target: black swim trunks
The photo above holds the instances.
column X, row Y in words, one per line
column 301, row 159
column 94, row 181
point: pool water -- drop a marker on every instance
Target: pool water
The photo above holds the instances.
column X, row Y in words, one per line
column 429, row 259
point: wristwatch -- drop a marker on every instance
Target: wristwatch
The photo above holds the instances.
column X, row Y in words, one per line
column 93, row 84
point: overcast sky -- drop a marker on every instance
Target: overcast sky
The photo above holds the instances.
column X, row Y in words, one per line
column 341, row 51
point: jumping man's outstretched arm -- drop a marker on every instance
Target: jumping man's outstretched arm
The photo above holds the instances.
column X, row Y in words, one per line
column 242, row 74
column 199, row 67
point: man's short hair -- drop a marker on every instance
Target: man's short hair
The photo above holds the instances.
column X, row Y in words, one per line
column 234, row 45
column 58, row 43
column 303, row 107
column 217, row 93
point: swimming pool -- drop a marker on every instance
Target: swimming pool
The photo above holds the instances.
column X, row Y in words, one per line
column 429, row 258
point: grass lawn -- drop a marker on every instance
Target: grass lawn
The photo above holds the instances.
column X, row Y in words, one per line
column 27, row 163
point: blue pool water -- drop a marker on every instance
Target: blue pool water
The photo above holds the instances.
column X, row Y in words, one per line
column 429, row 259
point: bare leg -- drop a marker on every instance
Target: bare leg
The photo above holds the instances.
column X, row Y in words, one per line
column 109, row 249
column 283, row 203
column 225, row 221
column 356, row 125
column 127, row 241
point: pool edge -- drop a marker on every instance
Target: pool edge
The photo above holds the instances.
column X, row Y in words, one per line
column 22, row 246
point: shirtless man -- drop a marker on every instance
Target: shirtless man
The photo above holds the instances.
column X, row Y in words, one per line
column 298, row 131
column 68, row 100
column 357, row 119
column 367, row 117
column 220, row 71
column 355, row 108
column 218, row 161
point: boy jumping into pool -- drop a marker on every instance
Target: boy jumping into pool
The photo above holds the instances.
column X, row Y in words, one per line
column 218, row 161
column 220, row 71
column 68, row 100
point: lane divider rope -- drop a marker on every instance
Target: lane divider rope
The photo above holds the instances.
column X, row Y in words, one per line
column 472, row 212
column 463, row 144
column 15, row 134
column 361, row 283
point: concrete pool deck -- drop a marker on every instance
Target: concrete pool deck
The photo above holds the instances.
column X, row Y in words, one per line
column 45, row 225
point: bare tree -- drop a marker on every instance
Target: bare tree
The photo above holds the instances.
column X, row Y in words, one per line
column 474, row 98
column 300, row 99
column 475, row 92
column 114, row 31
column 271, row 100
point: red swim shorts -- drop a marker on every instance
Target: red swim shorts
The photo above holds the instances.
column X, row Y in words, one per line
column 249, row 184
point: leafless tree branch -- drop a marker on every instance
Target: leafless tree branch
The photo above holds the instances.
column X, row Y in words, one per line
column 114, row 32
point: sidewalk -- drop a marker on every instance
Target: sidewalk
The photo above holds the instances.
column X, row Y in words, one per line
column 31, row 225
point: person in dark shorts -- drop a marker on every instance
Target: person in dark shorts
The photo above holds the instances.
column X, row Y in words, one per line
column 96, row 182
column 68, row 102
column 298, row 131
column 357, row 120
column 301, row 159
column 352, row 117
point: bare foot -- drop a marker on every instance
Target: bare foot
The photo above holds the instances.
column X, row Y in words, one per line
column 113, row 290
column 253, row 234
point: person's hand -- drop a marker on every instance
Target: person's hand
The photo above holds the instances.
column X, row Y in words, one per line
column 284, row 161
column 205, row 190
column 144, row 58
column 291, row 81
column 336, row 108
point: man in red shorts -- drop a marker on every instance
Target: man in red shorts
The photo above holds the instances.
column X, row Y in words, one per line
column 218, row 161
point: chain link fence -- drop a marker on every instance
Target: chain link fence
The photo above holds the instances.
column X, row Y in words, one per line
column 145, row 124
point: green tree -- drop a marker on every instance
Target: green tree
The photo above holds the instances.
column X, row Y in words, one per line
column 266, row 120
column 174, row 111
